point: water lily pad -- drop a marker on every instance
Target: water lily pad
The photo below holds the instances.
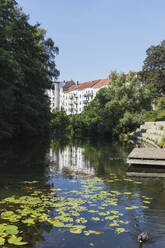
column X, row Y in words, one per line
column 30, row 182
column 81, row 220
column 16, row 240
column 114, row 224
column 147, row 202
column 95, row 218
column 120, row 230
column 2, row 241
column 29, row 221
column 11, row 229
column 87, row 233
column 76, row 230
column 132, row 207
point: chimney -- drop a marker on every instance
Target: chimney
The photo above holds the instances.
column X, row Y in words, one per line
column 77, row 83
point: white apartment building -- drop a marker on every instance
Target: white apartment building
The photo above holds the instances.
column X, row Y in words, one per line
column 73, row 97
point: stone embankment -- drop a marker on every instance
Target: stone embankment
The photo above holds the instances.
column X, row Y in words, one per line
column 152, row 133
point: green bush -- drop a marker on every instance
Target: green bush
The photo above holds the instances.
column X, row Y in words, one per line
column 155, row 115
column 151, row 115
column 60, row 123
column 163, row 141
column 161, row 115
column 161, row 103
column 161, row 127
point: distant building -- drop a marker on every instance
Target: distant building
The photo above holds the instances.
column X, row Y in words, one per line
column 77, row 96
column 73, row 97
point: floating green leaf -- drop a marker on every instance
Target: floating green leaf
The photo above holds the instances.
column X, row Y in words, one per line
column 2, row 241
column 30, row 182
column 120, row 230
column 29, row 221
column 95, row 218
column 11, row 229
column 16, row 240
column 132, row 207
column 76, row 230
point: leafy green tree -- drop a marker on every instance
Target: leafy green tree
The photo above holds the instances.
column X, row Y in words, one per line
column 153, row 71
column 118, row 108
column 60, row 123
column 27, row 69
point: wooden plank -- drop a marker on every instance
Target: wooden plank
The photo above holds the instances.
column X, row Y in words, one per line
column 146, row 162
column 147, row 153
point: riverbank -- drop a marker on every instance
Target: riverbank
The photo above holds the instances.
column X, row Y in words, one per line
column 152, row 133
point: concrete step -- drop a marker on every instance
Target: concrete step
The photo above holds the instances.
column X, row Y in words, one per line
column 151, row 131
column 156, row 132
column 153, row 137
column 160, row 125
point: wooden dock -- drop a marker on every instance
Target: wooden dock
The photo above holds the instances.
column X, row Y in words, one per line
column 147, row 156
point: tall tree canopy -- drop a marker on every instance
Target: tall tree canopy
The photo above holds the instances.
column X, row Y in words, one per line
column 153, row 71
column 118, row 108
column 27, row 69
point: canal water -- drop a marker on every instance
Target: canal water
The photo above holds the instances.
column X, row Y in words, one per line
column 69, row 195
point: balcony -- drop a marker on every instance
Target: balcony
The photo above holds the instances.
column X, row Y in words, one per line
column 71, row 110
column 85, row 102
column 85, row 95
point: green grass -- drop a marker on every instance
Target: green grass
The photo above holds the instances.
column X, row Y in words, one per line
column 155, row 115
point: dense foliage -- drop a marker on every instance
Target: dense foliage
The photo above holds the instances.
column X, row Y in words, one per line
column 26, row 71
column 119, row 108
column 159, row 113
column 153, row 72
column 60, row 123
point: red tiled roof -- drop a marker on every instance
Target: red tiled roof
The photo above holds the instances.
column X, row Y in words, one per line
column 101, row 83
column 72, row 87
column 68, row 84
column 87, row 85
column 96, row 84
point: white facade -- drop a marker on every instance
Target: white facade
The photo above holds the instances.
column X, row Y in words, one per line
column 54, row 95
column 74, row 100
column 72, row 97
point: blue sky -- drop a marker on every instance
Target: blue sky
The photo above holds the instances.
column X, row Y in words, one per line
column 97, row 36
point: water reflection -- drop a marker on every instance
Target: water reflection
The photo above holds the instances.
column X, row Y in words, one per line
column 101, row 159
column 71, row 159
column 146, row 171
column 24, row 160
